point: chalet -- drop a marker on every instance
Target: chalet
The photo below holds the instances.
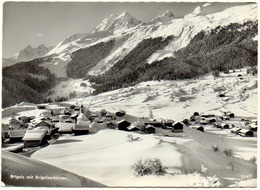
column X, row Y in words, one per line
column 133, row 128
column 51, row 130
column 177, row 127
column 81, row 129
column 35, row 137
column 120, row 113
column 63, row 117
column 16, row 135
column 168, row 123
column 196, row 114
column 77, row 108
column 154, row 123
column 123, row 124
column 111, row 125
column 64, row 127
column 140, row 125
column 149, row 129
column 199, row 128
column 253, row 127
column 204, row 120
column 43, row 124
column 225, row 126
column 236, row 130
column 24, row 119
column 217, row 125
column 246, row 133
column 14, row 127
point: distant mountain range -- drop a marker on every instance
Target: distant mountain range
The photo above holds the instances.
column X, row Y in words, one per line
column 123, row 51
column 27, row 54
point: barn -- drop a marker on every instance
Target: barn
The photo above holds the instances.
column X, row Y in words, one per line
column 34, row 138
column 154, row 123
column 177, row 127
column 123, row 124
column 246, row 133
column 16, row 135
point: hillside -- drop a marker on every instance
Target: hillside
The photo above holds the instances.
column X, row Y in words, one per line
column 220, row 49
column 26, row 81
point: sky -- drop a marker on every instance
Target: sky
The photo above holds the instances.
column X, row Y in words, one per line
column 48, row 23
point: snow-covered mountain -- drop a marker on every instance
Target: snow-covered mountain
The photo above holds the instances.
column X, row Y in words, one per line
column 127, row 32
column 27, row 54
column 165, row 17
column 117, row 23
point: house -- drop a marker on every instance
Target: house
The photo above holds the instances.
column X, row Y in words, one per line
column 111, row 125
column 149, row 129
column 133, row 128
column 120, row 113
column 225, row 126
column 51, row 130
column 204, row 120
column 177, row 127
column 168, row 123
column 246, row 133
column 35, row 137
column 41, row 106
column 24, row 119
column 81, row 129
column 123, row 124
column 199, row 128
column 253, row 127
column 43, row 124
column 236, row 130
column 154, row 123
column 64, row 127
column 16, row 135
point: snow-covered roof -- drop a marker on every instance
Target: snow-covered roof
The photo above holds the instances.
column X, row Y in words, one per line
column 17, row 133
column 80, row 127
column 34, row 135
column 65, row 127
column 244, row 130
column 132, row 127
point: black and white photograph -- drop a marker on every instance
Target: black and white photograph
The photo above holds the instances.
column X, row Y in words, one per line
column 129, row 94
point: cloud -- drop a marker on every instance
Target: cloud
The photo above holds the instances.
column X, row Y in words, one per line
column 40, row 35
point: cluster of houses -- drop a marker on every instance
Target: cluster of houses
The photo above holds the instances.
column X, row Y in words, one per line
column 78, row 120
column 245, row 128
